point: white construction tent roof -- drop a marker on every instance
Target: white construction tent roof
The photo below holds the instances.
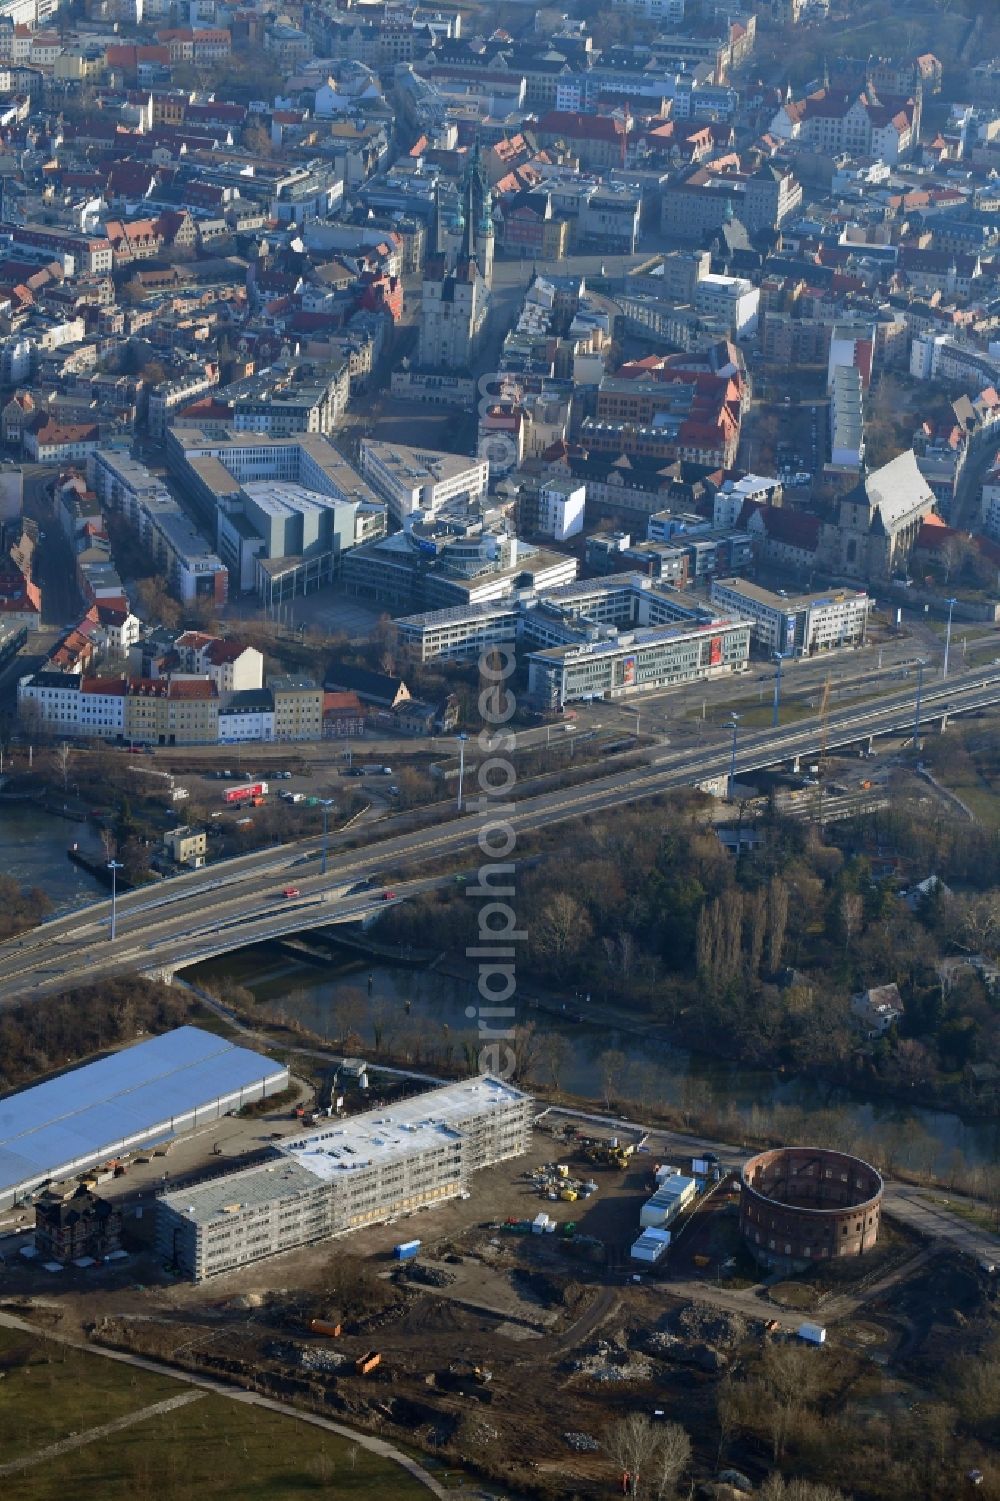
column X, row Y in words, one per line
column 142, row 1094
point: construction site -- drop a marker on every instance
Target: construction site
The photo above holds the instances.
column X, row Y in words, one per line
column 515, row 1324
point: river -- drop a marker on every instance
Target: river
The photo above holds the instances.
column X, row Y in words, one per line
column 33, row 847
column 313, row 993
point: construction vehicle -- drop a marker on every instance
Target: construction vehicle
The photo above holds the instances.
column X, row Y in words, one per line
column 611, row 1153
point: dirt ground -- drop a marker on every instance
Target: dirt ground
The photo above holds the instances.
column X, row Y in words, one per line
column 499, row 1344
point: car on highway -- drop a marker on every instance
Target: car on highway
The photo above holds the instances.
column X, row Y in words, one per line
column 351, row 771
column 388, row 896
column 290, row 891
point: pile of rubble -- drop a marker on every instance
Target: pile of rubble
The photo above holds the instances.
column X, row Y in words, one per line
column 607, row 1362
column 713, row 1326
column 698, row 1335
column 430, row 1276
column 305, row 1357
column 583, row 1443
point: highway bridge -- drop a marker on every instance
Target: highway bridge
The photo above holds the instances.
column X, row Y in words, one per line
column 209, row 912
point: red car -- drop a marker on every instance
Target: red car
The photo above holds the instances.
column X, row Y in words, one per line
column 290, row 891
column 388, row 896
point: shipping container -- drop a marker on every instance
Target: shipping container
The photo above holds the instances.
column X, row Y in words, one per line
column 406, row 1250
column 324, row 1326
column 813, row 1334
column 651, row 1246
column 367, row 1362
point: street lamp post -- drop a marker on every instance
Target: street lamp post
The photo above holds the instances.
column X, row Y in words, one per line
column 326, row 804
column 732, row 763
column 947, row 640
column 778, row 659
column 916, row 717
column 462, row 738
column 114, row 866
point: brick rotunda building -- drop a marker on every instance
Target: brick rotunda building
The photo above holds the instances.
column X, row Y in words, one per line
column 800, row 1205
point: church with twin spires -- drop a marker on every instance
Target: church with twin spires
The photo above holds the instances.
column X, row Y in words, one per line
column 456, row 285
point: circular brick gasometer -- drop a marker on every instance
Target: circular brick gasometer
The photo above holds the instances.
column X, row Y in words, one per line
column 800, row 1205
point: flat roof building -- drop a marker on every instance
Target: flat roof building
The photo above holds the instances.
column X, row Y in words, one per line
column 796, row 625
column 146, row 1093
column 420, row 480
column 656, row 656
column 345, row 1175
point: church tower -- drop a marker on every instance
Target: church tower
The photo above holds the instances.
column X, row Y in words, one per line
column 477, row 217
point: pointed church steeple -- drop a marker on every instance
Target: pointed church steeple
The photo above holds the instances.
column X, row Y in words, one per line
column 477, row 229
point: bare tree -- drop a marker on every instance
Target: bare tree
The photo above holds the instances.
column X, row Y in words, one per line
column 851, row 911
column 561, row 928
column 631, row 1443
column 777, row 921
column 671, row 1459
column 64, row 756
column 981, row 925
column 349, row 1016
column 755, row 923
column 525, row 1045
column 385, row 638
column 553, row 1053
column 612, row 1064
column 776, row 1488
column 790, row 1378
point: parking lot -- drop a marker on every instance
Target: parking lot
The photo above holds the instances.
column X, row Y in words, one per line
column 802, row 446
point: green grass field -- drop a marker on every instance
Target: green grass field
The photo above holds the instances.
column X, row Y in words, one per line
column 210, row 1447
column 61, row 1391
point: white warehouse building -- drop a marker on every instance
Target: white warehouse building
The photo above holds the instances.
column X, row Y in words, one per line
column 139, row 1096
column 345, row 1175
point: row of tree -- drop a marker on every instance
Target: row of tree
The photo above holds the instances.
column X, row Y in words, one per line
column 758, row 957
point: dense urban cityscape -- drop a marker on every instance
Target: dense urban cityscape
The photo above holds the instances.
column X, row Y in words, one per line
column 500, row 750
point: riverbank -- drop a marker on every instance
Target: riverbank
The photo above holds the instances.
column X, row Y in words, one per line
column 580, row 1006
column 765, row 1127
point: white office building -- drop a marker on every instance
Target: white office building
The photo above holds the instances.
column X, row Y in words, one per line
column 797, row 625
column 420, row 481
column 560, row 510
column 629, row 662
column 732, row 299
column 191, row 567
column 730, row 500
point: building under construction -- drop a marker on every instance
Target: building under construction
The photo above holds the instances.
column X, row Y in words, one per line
column 344, row 1175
